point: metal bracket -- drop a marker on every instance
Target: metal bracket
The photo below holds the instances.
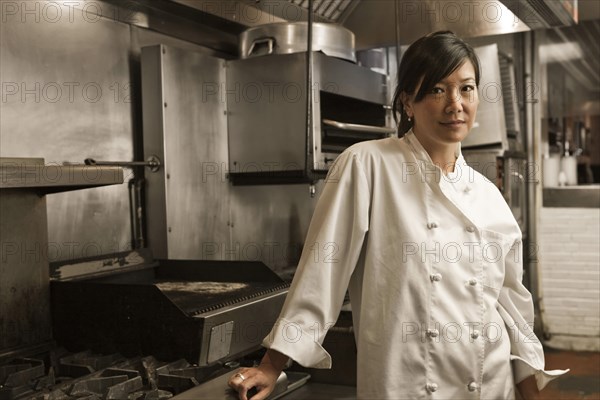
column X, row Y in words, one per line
column 153, row 163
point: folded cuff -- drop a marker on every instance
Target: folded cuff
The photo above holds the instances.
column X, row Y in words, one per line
column 523, row 369
column 289, row 338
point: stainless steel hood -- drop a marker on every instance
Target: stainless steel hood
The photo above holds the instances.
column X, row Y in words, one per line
column 374, row 22
column 544, row 13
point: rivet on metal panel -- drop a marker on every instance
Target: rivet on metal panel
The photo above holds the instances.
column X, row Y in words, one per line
column 164, row 51
column 165, row 105
column 169, row 229
column 168, row 176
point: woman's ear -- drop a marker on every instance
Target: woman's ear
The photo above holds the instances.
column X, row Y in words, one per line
column 406, row 100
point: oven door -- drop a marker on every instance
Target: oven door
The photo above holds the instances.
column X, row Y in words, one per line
column 512, row 173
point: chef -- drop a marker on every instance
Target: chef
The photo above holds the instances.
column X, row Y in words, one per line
column 428, row 250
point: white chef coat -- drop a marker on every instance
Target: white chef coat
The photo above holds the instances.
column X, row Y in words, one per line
column 433, row 264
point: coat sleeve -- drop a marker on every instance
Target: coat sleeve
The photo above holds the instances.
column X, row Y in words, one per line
column 329, row 256
column 516, row 309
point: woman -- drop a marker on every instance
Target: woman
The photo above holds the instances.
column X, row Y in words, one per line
column 428, row 249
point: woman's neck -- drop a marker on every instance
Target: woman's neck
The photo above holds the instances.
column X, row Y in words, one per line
column 443, row 159
column 444, row 156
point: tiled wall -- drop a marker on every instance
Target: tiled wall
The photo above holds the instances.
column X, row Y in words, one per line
column 569, row 241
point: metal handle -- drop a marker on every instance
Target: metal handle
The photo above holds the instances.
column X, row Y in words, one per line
column 153, row 162
column 269, row 41
column 522, row 188
column 359, row 128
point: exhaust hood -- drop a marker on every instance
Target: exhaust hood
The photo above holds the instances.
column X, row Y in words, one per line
column 374, row 21
column 539, row 14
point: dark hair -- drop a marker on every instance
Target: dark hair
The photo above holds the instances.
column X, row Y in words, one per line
column 432, row 57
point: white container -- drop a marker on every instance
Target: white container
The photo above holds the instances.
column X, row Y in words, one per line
column 569, row 166
column 551, row 170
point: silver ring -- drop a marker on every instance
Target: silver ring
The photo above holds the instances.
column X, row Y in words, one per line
column 239, row 375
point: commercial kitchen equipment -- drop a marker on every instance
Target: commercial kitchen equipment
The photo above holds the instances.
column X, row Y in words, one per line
column 204, row 311
column 348, row 104
column 25, row 323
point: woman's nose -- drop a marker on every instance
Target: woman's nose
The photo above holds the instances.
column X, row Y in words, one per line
column 454, row 101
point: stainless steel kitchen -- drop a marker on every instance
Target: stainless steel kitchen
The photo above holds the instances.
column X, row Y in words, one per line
column 223, row 199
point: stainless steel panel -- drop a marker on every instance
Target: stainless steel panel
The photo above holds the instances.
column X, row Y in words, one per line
column 219, row 344
column 266, row 99
column 269, row 224
column 253, row 321
column 346, row 79
column 66, row 96
column 185, row 125
column 490, row 124
column 582, row 196
column 24, row 272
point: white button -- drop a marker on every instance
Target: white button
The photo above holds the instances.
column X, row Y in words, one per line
column 433, row 332
column 435, row 277
column 472, row 386
column 432, row 225
column 467, row 189
column 432, row 387
column 470, row 228
column 472, row 281
column 475, row 334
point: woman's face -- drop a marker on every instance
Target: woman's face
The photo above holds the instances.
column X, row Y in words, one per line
column 446, row 114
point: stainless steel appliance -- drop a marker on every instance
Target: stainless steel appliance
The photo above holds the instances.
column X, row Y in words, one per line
column 204, row 311
column 25, row 323
column 291, row 37
column 267, row 121
column 132, row 327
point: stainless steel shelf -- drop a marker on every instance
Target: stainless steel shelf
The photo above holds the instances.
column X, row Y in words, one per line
column 33, row 174
column 580, row 196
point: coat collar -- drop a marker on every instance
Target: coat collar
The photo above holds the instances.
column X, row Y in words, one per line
column 432, row 171
column 422, row 154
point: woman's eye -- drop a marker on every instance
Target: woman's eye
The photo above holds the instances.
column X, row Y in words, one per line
column 437, row 90
column 468, row 88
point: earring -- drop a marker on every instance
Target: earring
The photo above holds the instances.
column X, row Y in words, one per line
column 409, row 119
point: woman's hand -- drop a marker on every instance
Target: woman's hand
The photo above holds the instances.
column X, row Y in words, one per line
column 261, row 378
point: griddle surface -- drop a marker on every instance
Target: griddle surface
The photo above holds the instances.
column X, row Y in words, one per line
column 197, row 297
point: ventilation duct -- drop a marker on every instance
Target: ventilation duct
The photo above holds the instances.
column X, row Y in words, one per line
column 539, row 14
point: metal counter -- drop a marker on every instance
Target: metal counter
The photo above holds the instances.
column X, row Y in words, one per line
column 580, row 196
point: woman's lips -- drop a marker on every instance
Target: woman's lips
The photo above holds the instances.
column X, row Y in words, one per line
column 453, row 123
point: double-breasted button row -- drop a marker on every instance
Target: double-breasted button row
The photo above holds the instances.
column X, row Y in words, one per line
column 432, row 225
column 470, row 228
column 472, row 386
column 475, row 334
column 435, row 277
column 432, row 333
column 432, row 387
